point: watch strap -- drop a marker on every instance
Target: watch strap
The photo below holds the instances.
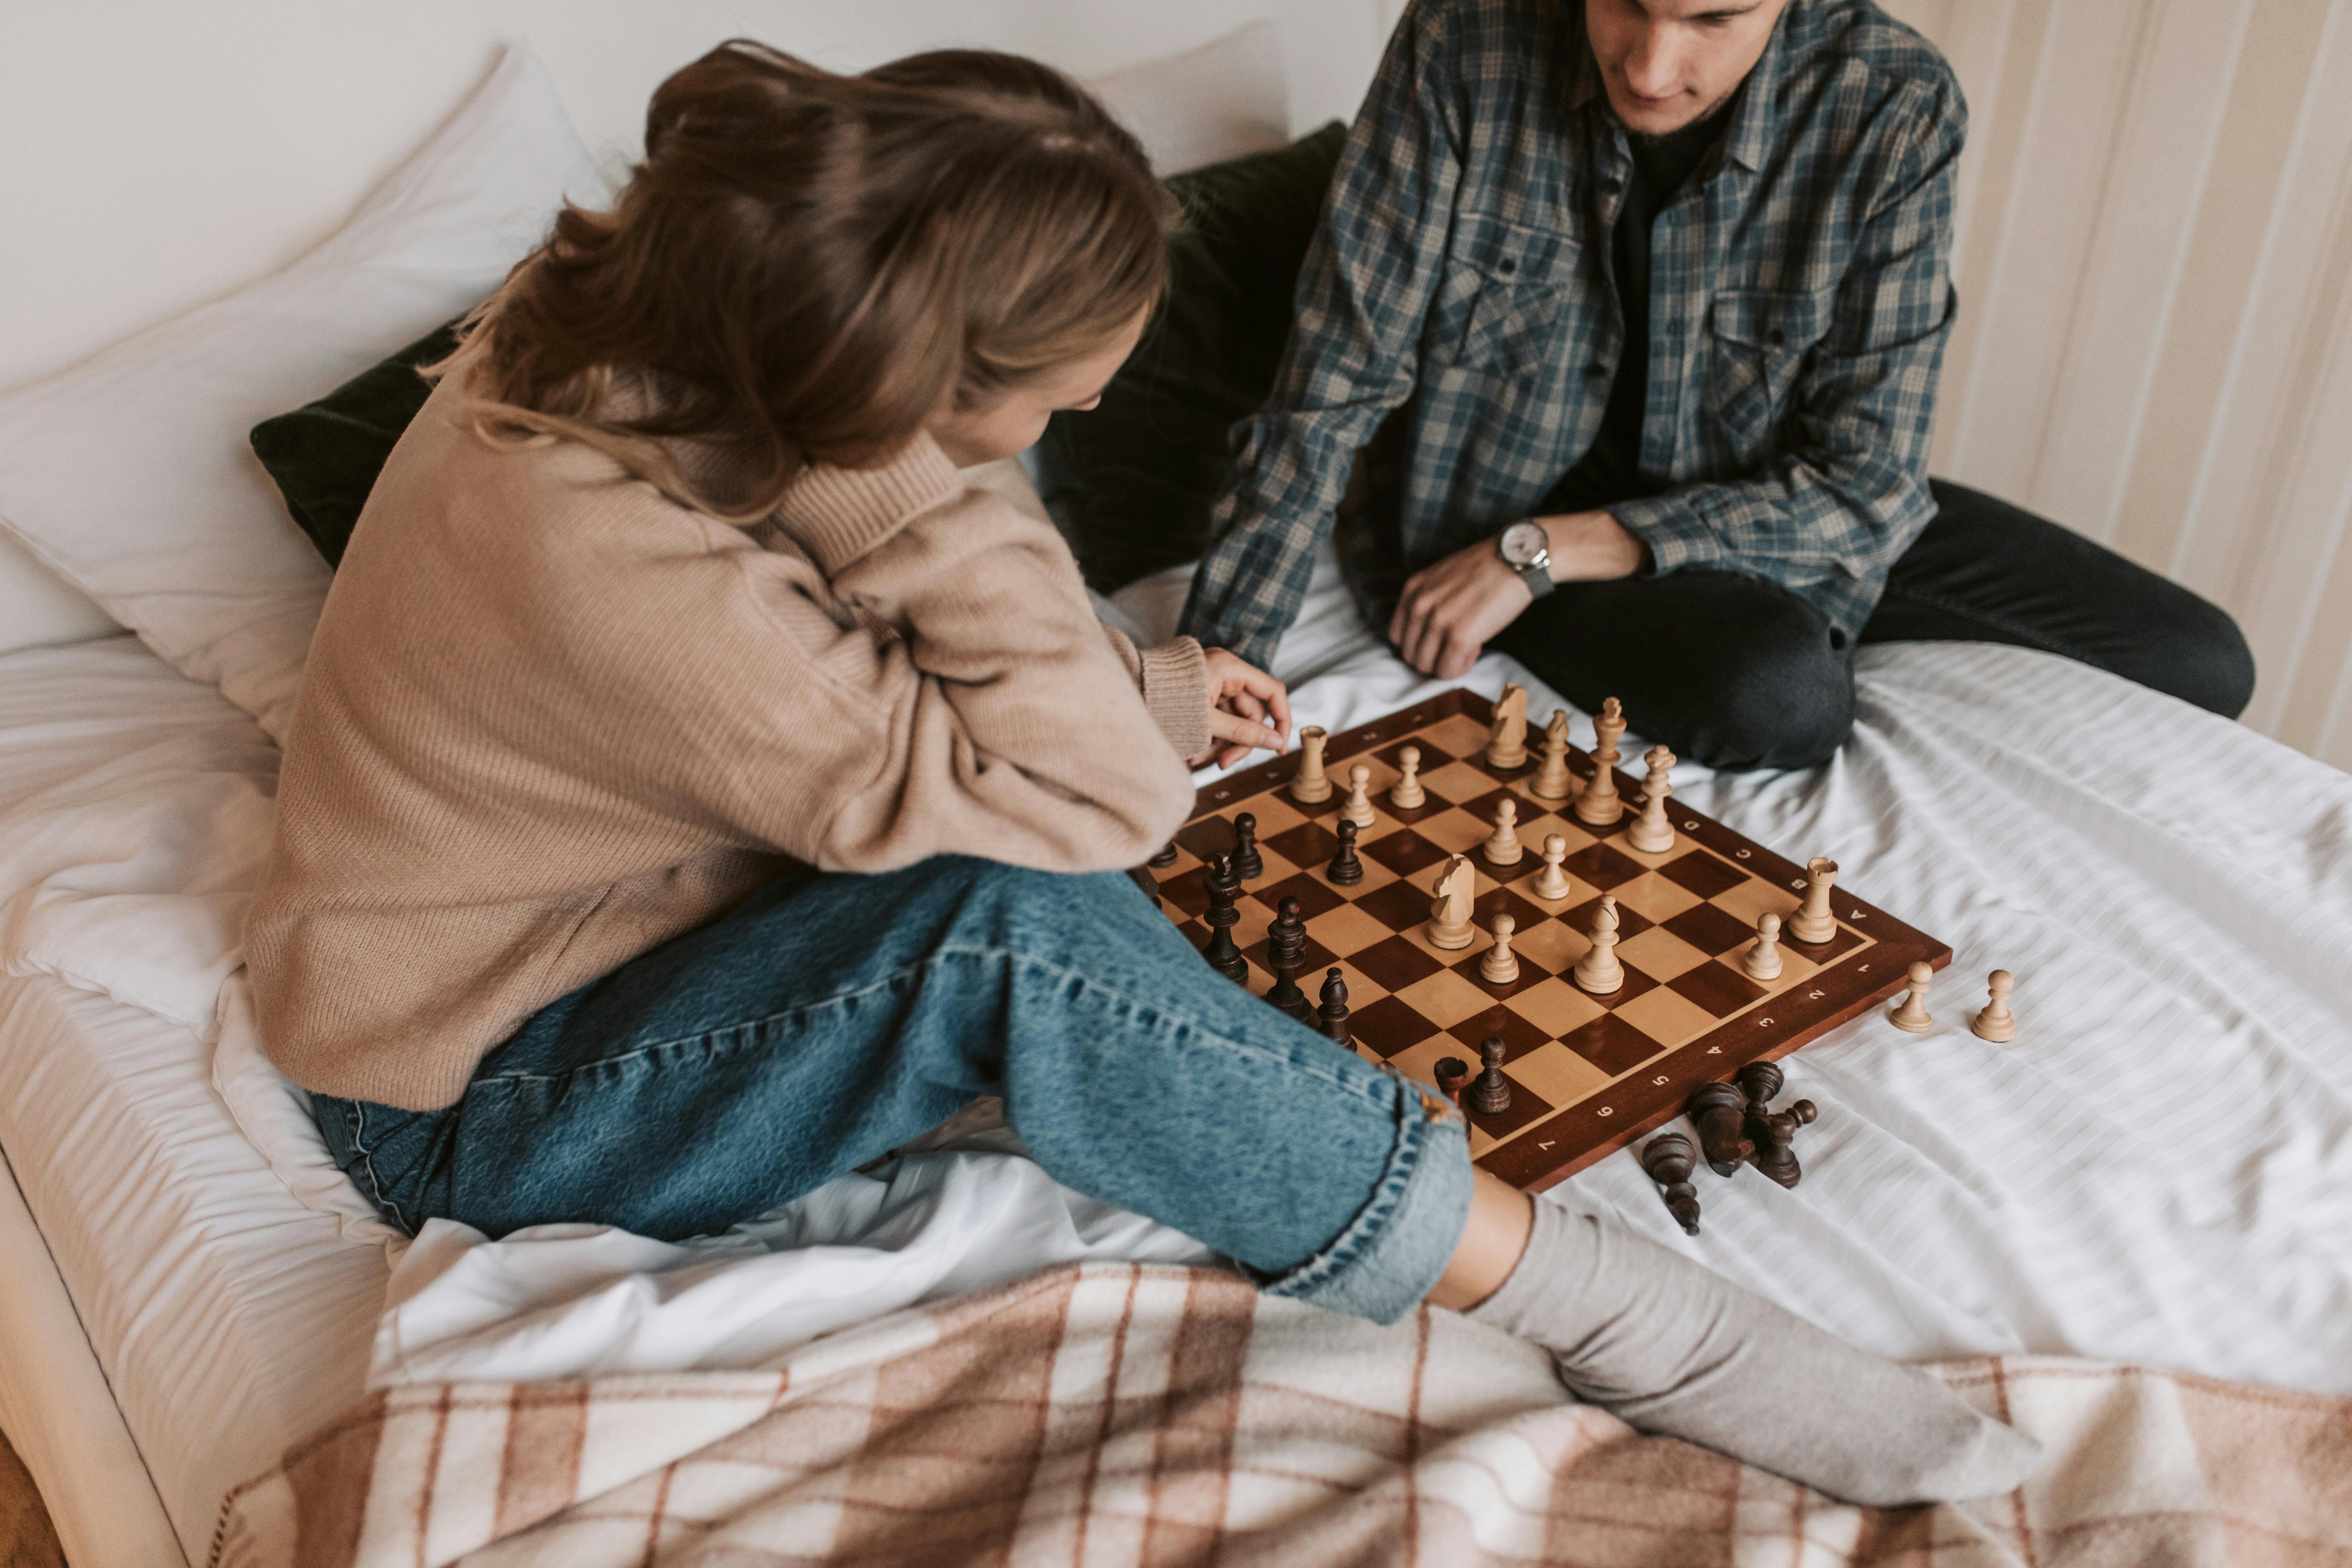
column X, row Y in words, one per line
column 1538, row 579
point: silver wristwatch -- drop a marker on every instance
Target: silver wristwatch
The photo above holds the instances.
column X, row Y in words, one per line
column 1526, row 549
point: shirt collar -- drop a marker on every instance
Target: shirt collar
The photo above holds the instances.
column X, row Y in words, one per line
column 1747, row 141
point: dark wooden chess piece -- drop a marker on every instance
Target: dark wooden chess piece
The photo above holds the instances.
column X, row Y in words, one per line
column 1345, row 870
column 1721, row 1110
column 1166, row 856
column 1759, row 1081
column 1491, row 1094
column 1247, row 862
column 1452, row 1074
column 1286, row 947
column 1668, row 1159
column 1224, row 887
column 1773, row 1156
column 1332, row 1017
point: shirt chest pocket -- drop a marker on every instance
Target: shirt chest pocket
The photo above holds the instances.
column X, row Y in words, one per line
column 1757, row 341
column 1505, row 295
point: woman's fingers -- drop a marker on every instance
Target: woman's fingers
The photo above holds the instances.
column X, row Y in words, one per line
column 1247, row 733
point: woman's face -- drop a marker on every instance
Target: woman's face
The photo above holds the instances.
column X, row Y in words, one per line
column 1012, row 423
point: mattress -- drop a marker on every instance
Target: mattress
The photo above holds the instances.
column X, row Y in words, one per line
column 2155, row 1170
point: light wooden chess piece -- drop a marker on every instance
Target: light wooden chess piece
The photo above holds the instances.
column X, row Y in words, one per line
column 1762, row 958
column 1312, row 786
column 1598, row 805
column 1552, row 882
column 1997, row 1023
column 1653, row 834
column 1359, row 809
column 1406, row 794
column 1599, row 971
column 1812, row 922
column 1501, row 966
column 1553, row 781
column 1449, row 911
column 1502, row 847
column 1507, row 742
column 1913, row 1013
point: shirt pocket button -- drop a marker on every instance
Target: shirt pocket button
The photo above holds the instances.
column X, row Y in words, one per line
column 1507, row 267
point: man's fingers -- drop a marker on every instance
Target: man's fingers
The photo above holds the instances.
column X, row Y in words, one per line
column 1245, row 732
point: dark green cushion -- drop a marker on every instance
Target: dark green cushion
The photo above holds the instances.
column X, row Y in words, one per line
column 325, row 456
column 1131, row 482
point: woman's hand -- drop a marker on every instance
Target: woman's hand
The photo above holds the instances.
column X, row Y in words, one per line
column 1242, row 698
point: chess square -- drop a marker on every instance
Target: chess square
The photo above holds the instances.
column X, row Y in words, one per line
column 1704, row 874
column 1455, row 831
column 1389, row 1026
column 1455, row 782
column 1458, row 735
column 1659, row 953
column 1667, row 1016
column 1602, row 865
column 1308, row 844
column 1445, row 998
column 1707, row 927
column 1399, row 905
column 1559, row 1074
column 1555, row 1006
column 1188, row 890
column 1718, row 988
column 1209, row 838
column 1756, row 896
column 1611, row 1044
column 1395, row 963
column 1552, row 946
column 1347, row 930
column 1519, row 1036
column 1501, row 900
column 1654, row 898
column 1315, row 895
column 1405, row 852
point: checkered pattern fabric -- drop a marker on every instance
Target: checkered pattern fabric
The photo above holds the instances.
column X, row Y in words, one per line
column 1685, row 917
column 1799, row 304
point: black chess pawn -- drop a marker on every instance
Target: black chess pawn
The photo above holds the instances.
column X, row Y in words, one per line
column 1491, row 1094
column 1332, row 1017
column 1286, row 947
column 1668, row 1160
column 1453, row 1076
column 1759, row 1081
column 1345, row 870
column 1247, row 863
column 1166, row 856
column 1773, row 1156
column 1720, row 1112
column 1224, row 887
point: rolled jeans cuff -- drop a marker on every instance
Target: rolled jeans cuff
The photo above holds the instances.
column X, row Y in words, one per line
column 1392, row 1252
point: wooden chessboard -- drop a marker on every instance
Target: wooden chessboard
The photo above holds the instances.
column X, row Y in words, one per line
column 1590, row 1074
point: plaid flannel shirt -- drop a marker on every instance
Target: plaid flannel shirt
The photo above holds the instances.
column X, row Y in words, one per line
column 1460, row 279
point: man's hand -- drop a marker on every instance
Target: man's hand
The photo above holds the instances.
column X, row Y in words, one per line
column 1242, row 698
column 1452, row 609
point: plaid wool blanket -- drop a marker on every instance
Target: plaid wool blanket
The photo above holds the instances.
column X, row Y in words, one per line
column 1121, row 1413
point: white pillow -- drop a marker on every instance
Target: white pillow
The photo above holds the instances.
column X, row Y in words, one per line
column 40, row 609
column 130, row 474
column 1227, row 97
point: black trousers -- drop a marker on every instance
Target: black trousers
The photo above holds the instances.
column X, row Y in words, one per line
column 1735, row 672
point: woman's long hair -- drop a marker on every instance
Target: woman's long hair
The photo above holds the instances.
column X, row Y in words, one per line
column 806, row 268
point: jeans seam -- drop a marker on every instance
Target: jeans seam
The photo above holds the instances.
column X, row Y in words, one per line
column 366, row 1159
column 2029, row 637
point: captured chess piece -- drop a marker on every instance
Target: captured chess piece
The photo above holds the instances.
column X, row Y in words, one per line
column 1331, row 1018
column 1224, row 886
column 1668, row 1160
column 1759, row 1081
column 1598, row 805
column 1507, row 741
column 1597, row 970
column 1499, row 965
column 1911, row 1014
column 1490, row 1094
column 1719, row 1111
column 1406, row 794
column 1285, row 949
column 1762, row 958
column 1449, row 910
column 1359, row 809
column 1453, row 1076
column 1551, row 883
column 1812, row 922
column 1312, row 786
column 1247, row 863
column 1652, row 833
column 1345, row 870
column 1997, row 1023
column 1774, row 1131
column 1553, row 781
column 1502, row 848
column 1166, row 856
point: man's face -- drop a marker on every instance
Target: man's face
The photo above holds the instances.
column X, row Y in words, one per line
column 1667, row 63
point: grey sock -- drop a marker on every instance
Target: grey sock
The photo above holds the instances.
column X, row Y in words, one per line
column 1674, row 1348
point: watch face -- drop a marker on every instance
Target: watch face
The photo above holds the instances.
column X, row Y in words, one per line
column 1522, row 541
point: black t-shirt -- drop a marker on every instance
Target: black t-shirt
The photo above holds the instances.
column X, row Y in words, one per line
column 1611, row 471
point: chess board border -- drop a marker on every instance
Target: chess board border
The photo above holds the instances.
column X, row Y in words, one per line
column 1604, row 1122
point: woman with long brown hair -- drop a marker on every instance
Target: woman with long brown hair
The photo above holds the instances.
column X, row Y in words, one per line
column 698, row 790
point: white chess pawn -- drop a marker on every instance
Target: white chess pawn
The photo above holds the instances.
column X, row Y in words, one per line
column 1553, row 781
column 1599, row 971
column 1912, row 1013
column 1652, row 833
column 1552, row 882
column 1997, row 1023
column 1500, row 966
column 1502, row 847
column 1312, row 786
column 1359, row 809
column 1407, row 793
column 1762, row 958
column 1813, row 922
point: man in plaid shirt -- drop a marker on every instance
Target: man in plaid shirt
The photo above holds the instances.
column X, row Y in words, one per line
column 1628, row 316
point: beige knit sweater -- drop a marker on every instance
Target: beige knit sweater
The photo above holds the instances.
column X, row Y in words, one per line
column 551, row 719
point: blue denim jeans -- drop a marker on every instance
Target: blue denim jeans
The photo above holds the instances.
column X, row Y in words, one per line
column 830, row 1018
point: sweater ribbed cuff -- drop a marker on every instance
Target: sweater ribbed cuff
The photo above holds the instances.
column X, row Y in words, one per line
column 839, row 514
column 1176, row 692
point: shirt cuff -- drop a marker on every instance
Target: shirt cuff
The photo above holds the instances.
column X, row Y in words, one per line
column 1176, row 693
column 1677, row 534
column 839, row 514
